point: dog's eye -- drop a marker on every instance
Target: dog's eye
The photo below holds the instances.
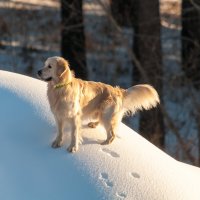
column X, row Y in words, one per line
column 49, row 66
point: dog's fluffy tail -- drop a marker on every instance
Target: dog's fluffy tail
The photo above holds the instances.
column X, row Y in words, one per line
column 140, row 97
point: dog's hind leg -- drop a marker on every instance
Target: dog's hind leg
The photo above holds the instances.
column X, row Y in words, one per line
column 110, row 137
column 93, row 124
column 111, row 126
column 95, row 120
column 57, row 142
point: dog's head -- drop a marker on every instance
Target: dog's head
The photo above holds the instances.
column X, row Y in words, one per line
column 55, row 69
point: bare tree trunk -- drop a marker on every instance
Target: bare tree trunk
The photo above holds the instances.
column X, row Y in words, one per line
column 147, row 48
column 198, row 126
column 191, row 40
column 73, row 38
column 191, row 48
column 122, row 12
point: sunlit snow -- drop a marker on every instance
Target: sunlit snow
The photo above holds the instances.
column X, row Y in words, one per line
column 130, row 168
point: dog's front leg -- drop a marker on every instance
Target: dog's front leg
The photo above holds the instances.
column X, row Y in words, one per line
column 57, row 142
column 75, row 123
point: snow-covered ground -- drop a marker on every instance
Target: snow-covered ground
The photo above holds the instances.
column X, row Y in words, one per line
column 130, row 168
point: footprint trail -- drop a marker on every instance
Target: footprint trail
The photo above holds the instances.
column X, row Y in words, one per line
column 104, row 178
column 110, row 152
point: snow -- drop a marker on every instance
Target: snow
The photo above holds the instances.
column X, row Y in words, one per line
column 130, row 168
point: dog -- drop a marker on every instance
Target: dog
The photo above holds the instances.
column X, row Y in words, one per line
column 72, row 100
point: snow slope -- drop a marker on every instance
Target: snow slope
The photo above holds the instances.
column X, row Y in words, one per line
column 130, row 168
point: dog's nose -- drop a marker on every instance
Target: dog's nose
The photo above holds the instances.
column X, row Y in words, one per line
column 40, row 72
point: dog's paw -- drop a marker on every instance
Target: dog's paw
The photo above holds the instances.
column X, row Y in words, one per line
column 56, row 143
column 93, row 124
column 72, row 149
column 108, row 141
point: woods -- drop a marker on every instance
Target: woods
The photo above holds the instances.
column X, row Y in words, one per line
column 120, row 43
column 73, row 36
column 191, row 40
column 147, row 48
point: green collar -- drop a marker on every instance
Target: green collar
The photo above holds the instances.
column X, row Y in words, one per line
column 60, row 85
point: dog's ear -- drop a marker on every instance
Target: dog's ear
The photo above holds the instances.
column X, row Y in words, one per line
column 62, row 67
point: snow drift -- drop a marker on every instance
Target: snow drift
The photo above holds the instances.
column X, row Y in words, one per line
column 130, row 168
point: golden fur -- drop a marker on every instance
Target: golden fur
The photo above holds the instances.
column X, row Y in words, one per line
column 72, row 100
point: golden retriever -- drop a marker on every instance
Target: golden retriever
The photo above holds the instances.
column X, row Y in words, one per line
column 72, row 100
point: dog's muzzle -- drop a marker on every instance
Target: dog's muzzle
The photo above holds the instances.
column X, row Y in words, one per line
column 48, row 79
column 45, row 79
